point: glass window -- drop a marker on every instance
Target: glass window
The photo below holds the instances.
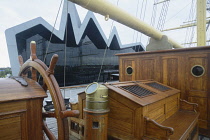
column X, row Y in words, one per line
column 197, row 70
column 129, row 70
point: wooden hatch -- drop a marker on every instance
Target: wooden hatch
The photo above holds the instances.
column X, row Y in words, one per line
column 130, row 102
column 143, row 92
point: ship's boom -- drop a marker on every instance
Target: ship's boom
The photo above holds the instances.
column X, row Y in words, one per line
column 105, row 8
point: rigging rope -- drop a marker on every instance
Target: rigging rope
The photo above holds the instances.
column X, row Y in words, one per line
column 193, row 30
column 65, row 45
column 137, row 33
column 164, row 18
column 106, row 48
column 188, row 30
column 52, row 30
column 154, row 11
column 163, row 15
column 143, row 20
column 142, row 7
column 153, row 17
column 178, row 12
column 137, row 9
column 51, row 34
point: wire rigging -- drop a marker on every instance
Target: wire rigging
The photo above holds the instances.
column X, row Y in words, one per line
column 153, row 17
column 53, row 30
column 154, row 11
column 142, row 4
column 190, row 18
column 106, row 48
column 45, row 56
column 137, row 9
column 192, row 31
column 143, row 20
column 178, row 12
column 163, row 14
column 65, row 45
column 143, row 8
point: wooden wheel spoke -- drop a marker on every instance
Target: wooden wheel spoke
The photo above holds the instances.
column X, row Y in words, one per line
column 47, row 131
column 50, row 83
column 34, row 74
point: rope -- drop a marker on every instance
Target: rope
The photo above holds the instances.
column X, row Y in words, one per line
column 52, row 30
column 51, row 34
column 192, row 32
column 134, row 31
column 143, row 20
column 164, row 11
column 161, row 15
column 154, row 11
column 189, row 19
column 178, row 12
column 153, row 17
column 106, row 49
column 142, row 5
column 65, row 45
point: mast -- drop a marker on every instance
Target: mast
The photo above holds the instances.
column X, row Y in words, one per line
column 107, row 9
column 201, row 22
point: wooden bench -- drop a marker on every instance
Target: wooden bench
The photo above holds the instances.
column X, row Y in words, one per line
column 183, row 125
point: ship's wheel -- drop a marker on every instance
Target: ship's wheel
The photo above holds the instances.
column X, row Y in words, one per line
column 49, row 83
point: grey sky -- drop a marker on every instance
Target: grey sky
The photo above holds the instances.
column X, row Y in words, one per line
column 13, row 12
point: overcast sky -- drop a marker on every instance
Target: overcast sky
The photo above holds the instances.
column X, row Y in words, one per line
column 14, row 12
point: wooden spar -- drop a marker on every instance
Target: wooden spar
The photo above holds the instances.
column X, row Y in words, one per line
column 201, row 22
column 107, row 9
column 187, row 25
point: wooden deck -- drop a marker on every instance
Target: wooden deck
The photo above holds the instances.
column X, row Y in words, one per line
column 72, row 94
column 53, row 127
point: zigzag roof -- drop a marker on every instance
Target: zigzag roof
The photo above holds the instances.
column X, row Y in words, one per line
column 76, row 32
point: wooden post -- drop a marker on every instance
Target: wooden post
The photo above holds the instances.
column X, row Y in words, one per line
column 96, row 125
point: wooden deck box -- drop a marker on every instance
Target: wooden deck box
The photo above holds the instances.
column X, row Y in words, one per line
column 130, row 102
column 21, row 110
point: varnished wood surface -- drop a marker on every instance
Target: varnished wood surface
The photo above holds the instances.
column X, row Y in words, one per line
column 126, row 117
column 166, row 51
column 182, row 121
column 20, row 110
column 184, row 105
column 127, row 111
column 159, row 95
column 11, row 90
column 92, row 132
column 179, row 126
column 51, row 84
column 173, row 68
column 21, row 119
column 155, row 130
